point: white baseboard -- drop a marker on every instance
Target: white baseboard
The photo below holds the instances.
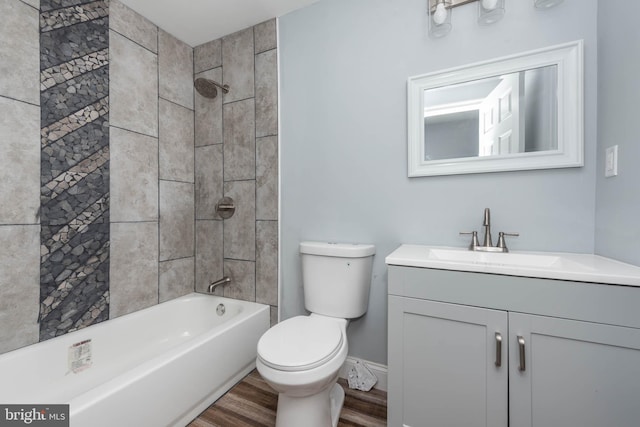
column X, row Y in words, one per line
column 380, row 371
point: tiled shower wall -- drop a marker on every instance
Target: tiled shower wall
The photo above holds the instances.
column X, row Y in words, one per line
column 19, row 173
column 236, row 138
column 152, row 178
column 161, row 241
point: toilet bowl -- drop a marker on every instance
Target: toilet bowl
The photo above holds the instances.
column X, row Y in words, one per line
column 301, row 357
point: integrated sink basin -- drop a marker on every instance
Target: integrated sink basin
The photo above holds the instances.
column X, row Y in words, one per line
column 492, row 258
column 549, row 265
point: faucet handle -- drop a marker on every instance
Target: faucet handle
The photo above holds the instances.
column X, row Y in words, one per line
column 474, row 239
column 501, row 242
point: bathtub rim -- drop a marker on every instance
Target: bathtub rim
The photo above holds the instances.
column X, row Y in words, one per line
column 89, row 397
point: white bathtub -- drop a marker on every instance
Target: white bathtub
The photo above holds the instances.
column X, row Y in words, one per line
column 161, row 366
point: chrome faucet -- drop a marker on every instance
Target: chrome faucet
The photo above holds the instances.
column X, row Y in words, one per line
column 487, row 244
column 224, row 281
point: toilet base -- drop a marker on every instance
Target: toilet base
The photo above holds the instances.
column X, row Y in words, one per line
column 319, row 410
column 336, row 397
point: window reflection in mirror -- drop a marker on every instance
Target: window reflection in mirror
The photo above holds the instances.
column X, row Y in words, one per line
column 501, row 115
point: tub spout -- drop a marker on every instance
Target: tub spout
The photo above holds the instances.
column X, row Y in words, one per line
column 224, row 281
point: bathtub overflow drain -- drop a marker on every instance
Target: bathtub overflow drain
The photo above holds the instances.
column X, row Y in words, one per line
column 220, row 309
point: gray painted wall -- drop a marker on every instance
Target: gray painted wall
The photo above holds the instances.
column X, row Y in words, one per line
column 618, row 198
column 343, row 72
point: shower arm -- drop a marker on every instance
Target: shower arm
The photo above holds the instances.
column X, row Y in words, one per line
column 224, row 88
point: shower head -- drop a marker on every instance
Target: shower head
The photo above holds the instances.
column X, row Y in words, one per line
column 207, row 88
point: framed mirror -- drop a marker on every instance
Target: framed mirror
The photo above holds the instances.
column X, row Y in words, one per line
column 519, row 112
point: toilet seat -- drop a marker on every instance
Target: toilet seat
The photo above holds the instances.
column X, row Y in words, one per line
column 300, row 343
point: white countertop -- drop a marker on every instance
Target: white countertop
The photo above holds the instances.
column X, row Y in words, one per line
column 546, row 265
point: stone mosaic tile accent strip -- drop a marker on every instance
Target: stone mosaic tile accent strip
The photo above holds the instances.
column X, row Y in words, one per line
column 67, row 43
column 76, row 146
column 74, row 68
column 66, row 125
column 59, row 211
column 74, row 196
column 76, row 174
column 60, row 240
column 64, row 99
column 72, row 15
column 72, row 291
column 48, row 5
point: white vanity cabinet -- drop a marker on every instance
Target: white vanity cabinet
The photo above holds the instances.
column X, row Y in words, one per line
column 476, row 349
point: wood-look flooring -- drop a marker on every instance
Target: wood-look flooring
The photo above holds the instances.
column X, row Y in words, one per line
column 252, row 402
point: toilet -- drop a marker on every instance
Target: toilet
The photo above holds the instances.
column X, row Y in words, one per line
column 300, row 357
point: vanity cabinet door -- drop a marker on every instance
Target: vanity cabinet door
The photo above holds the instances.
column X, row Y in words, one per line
column 576, row 374
column 442, row 365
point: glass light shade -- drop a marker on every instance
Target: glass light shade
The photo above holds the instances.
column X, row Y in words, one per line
column 545, row 4
column 490, row 11
column 440, row 18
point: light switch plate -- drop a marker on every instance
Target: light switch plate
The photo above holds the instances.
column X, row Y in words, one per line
column 611, row 162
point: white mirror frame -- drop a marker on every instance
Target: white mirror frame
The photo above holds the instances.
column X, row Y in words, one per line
column 570, row 153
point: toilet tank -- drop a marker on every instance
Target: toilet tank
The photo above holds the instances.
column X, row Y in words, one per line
column 336, row 278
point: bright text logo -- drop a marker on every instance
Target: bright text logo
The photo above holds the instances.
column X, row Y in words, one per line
column 34, row 415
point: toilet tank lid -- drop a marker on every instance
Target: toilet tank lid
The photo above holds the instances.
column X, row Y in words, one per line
column 347, row 250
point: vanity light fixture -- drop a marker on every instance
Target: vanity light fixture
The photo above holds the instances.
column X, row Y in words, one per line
column 489, row 12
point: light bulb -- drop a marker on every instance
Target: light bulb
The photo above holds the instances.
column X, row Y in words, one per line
column 490, row 11
column 489, row 4
column 440, row 14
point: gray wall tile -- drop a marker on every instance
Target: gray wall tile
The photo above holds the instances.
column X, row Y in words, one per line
column 208, row 180
column 238, row 64
column 273, row 312
column 176, row 142
column 133, row 86
column 208, row 254
column 176, row 70
column 133, row 268
column 240, row 229
column 267, row 178
column 19, row 162
column 19, row 285
column 208, row 56
column 34, row 3
column 176, row 220
column 265, row 36
column 209, row 112
column 19, row 52
column 267, row 93
column 239, row 140
column 176, row 278
column 133, row 25
column 243, row 279
column 267, row 262
column 133, row 176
